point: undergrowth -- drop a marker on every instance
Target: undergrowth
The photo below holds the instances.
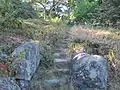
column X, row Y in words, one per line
column 48, row 33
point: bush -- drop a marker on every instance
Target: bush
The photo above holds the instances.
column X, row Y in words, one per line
column 8, row 48
column 24, row 9
column 12, row 10
column 46, row 54
column 84, row 10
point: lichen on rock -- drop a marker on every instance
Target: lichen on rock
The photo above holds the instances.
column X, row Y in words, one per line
column 29, row 54
column 89, row 72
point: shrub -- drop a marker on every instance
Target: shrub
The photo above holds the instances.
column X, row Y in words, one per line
column 24, row 9
column 84, row 10
column 12, row 10
column 8, row 48
column 46, row 54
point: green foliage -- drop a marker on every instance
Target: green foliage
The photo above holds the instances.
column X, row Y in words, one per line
column 22, row 55
column 84, row 9
column 8, row 48
column 12, row 10
column 24, row 9
column 110, row 12
column 46, row 55
column 72, row 3
column 8, row 14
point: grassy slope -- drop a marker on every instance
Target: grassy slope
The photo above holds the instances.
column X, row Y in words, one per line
column 108, row 41
column 32, row 29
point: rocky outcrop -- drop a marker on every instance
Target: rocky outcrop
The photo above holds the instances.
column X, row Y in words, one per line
column 29, row 56
column 7, row 83
column 89, row 72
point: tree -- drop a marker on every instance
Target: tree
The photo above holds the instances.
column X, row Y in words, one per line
column 54, row 9
column 83, row 10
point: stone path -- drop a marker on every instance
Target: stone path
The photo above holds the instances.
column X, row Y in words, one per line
column 58, row 77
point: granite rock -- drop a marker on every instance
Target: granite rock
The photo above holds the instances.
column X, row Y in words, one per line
column 29, row 56
column 7, row 83
column 89, row 72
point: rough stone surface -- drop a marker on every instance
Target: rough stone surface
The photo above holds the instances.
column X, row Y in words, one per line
column 7, row 83
column 89, row 72
column 54, row 83
column 2, row 56
column 30, row 58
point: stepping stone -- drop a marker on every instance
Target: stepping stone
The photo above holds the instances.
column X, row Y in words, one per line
column 54, row 82
column 59, row 60
column 56, row 54
column 60, row 55
column 60, row 72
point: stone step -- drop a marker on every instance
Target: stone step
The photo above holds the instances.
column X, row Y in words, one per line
column 60, row 55
column 58, row 84
column 61, row 45
column 54, row 73
column 52, row 84
column 65, row 41
column 60, row 72
column 61, row 50
column 55, row 82
column 61, row 63
column 59, row 60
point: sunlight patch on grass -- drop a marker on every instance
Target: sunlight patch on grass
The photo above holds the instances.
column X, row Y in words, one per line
column 56, row 19
column 94, row 35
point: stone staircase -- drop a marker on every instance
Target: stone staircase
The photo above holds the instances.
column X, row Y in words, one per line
column 60, row 74
column 58, row 77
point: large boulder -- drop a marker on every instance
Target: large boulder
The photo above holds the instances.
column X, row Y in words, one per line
column 7, row 83
column 30, row 57
column 89, row 72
